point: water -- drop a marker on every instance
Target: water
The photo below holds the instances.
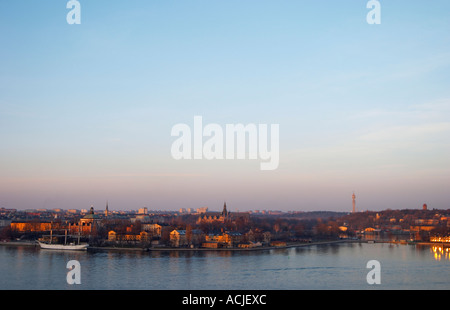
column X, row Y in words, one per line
column 338, row 266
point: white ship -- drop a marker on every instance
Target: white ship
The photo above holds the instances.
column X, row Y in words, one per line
column 69, row 246
column 63, row 246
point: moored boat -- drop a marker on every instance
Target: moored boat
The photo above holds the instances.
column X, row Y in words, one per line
column 49, row 245
column 69, row 246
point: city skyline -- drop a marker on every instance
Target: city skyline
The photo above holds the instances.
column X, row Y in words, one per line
column 86, row 111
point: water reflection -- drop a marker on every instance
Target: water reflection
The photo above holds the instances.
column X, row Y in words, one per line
column 309, row 267
column 440, row 252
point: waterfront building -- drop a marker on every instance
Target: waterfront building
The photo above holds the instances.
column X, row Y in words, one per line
column 223, row 240
column 143, row 236
column 249, row 245
column 154, row 229
column 210, row 245
column 278, row 243
column 445, row 239
column 31, row 226
column 180, row 238
column 257, row 235
column 86, row 225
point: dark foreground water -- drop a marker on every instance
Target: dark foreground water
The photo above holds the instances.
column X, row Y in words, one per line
column 338, row 266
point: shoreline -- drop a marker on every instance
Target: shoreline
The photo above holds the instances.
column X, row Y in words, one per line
column 18, row 243
column 154, row 249
column 261, row 248
column 265, row 248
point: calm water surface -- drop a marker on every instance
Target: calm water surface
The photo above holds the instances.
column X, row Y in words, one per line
column 338, row 266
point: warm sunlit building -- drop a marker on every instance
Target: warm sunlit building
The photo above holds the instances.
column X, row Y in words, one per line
column 210, row 217
column 417, row 228
column 154, row 229
column 179, row 238
column 143, row 236
column 440, row 239
column 30, row 226
column 226, row 239
column 86, row 225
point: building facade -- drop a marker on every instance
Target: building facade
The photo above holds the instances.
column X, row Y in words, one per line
column 181, row 238
column 87, row 225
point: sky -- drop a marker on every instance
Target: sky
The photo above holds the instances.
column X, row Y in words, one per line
column 86, row 110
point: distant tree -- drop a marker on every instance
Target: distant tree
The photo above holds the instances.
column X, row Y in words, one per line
column 189, row 234
column 136, row 228
column 299, row 229
column 277, row 228
column 241, row 223
column 165, row 234
column 6, row 233
column 326, row 229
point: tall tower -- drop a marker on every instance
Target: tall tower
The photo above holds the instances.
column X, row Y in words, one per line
column 106, row 210
column 225, row 211
column 354, row 202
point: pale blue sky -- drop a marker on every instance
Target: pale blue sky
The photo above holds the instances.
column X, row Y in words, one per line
column 86, row 110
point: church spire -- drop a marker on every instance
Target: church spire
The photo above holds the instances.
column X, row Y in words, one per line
column 106, row 209
column 224, row 211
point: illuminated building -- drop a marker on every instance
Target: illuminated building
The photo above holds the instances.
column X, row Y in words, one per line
column 86, row 225
column 211, row 217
